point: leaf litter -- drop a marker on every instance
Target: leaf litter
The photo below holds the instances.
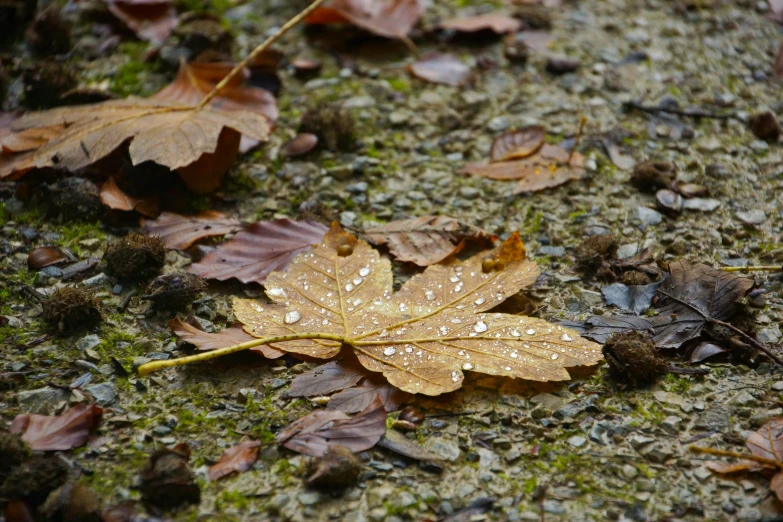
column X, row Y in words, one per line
column 57, row 433
column 179, row 232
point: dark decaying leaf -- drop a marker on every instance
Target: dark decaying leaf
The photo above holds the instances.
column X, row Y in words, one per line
column 440, row 68
column 600, row 328
column 312, row 434
column 389, row 18
column 399, row 443
column 517, row 144
column 235, row 459
column 352, row 400
column 497, row 23
column 150, row 20
column 179, row 232
column 262, row 248
column 62, row 432
column 327, row 378
column 113, row 197
column 631, row 298
column 425, row 240
column 212, row 341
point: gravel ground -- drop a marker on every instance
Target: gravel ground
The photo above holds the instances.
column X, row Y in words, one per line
column 586, row 450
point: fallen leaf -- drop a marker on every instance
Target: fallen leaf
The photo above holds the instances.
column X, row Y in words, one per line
column 398, row 443
column 314, row 433
column 113, row 197
column 167, row 133
column 58, row 433
column 352, row 400
column 259, row 249
column 422, row 337
column 212, row 341
column 179, row 232
column 150, row 20
column 726, row 468
column 440, row 68
column 713, row 292
column 517, row 144
column 327, row 378
column 495, row 22
column 389, row 18
column 631, row 298
column 425, row 240
column 236, row 459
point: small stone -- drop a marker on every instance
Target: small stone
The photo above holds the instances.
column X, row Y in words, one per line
column 647, row 216
column 759, row 146
column 561, row 65
column 638, row 441
column 90, row 244
column 718, row 170
column 97, row 280
column 41, row 400
column 498, row 124
column 551, row 251
column 309, row 498
column 469, row 192
column 627, row 251
column 105, row 393
column 630, row 472
column 669, row 201
column 278, row 383
column 398, row 118
column 553, row 506
column 755, row 216
column 765, row 126
column 87, row 342
column 659, row 454
column 577, row 441
column 701, row 204
column 778, row 386
column 443, row 448
column 671, row 424
column 744, row 399
column 702, row 474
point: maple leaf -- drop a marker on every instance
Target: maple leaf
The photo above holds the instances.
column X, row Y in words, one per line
column 425, row 240
column 179, row 232
column 423, row 337
column 389, row 18
column 212, row 341
column 766, row 454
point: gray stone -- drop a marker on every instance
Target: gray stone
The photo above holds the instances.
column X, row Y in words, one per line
column 445, row 449
column 630, row 472
column 638, row 441
column 359, row 102
column 551, row 251
column 498, row 124
column 97, row 280
column 749, row 514
column 627, row 251
column 87, row 342
column 469, row 192
column 553, row 506
column 755, row 216
column 647, row 216
column 744, row 399
column 659, row 454
column 486, row 457
column 769, row 335
column 41, row 400
column 713, row 419
column 577, row 441
column 105, row 393
column 309, row 498
column 701, row 204
column 671, row 424
column 778, row 386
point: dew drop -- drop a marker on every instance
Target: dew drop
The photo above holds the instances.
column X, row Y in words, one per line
column 358, row 281
column 430, row 295
column 389, row 351
column 454, row 279
column 455, row 376
column 530, row 331
column 276, row 292
column 514, row 355
column 348, row 287
column 364, row 272
column 292, row 317
column 554, row 356
column 480, row 301
column 566, row 337
column 515, row 333
column 508, row 368
column 467, row 366
column 481, row 326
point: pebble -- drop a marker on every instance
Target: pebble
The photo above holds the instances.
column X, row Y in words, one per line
column 469, row 192
column 647, row 216
column 577, row 441
column 87, row 342
column 561, row 64
column 755, row 216
column 41, row 400
column 97, row 280
column 309, row 498
column 498, row 124
column 551, row 251
column 105, row 393
column 701, row 204
column 445, row 449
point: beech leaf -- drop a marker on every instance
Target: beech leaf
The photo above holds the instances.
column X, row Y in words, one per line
column 58, row 433
column 440, row 68
column 389, row 18
column 425, row 240
column 424, row 336
column 327, row 378
column 314, row 433
column 358, row 398
column 150, row 20
column 212, row 341
column 259, row 249
column 235, row 459
column 179, row 232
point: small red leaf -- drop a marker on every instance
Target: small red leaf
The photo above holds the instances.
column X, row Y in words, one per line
column 63, row 432
column 389, row 18
column 235, row 459
column 327, row 378
column 150, row 20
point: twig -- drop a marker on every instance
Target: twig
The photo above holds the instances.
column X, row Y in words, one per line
column 582, row 123
column 650, row 109
column 124, row 304
column 258, row 50
column 759, row 268
column 724, row 453
column 730, row 326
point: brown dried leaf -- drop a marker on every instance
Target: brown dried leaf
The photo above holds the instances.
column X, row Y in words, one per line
column 389, row 18
column 327, row 378
column 150, row 20
column 777, row 65
column 517, row 144
column 356, row 399
column 212, row 341
column 113, row 197
column 776, row 485
column 425, row 335
column 440, row 68
column 425, row 240
column 258, row 250
column 62, row 432
column 726, row 468
column 179, row 232
column 236, row 459
column 767, row 442
column 167, row 133
column 299, row 145
column 314, row 433
column 495, row 22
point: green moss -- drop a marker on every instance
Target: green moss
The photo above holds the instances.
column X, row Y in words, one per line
column 131, row 78
column 529, row 485
column 232, row 498
column 400, row 84
column 676, row 383
column 72, row 233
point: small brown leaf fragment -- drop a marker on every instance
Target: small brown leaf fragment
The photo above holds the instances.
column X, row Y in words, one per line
column 425, row 240
column 236, row 459
column 179, row 232
column 260, row 249
column 327, row 378
column 314, row 433
column 441, row 68
column 113, row 197
column 776, row 485
column 45, row 256
column 150, row 20
column 389, row 18
column 299, row 145
column 495, row 22
column 63, row 432
column 212, row 341
column 517, row 144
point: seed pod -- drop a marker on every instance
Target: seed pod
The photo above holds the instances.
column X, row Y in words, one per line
column 344, row 250
column 44, row 256
column 488, row 265
column 135, row 256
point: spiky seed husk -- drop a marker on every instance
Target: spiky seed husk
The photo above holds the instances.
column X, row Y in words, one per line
column 135, row 256
column 13, row 451
column 174, row 291
column 338, row 469
column 653, row 175
column 633, row 359
column 71, row 308
column 334, row 125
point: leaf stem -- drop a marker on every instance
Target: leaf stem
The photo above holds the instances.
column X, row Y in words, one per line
column 724, row 453
column 147, row 368
column 582, row 123
column 258, row 50
column 758, row 268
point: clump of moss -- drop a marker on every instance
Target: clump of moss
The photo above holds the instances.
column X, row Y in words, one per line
column 13, row 451
column 71, row 308
column 334, row 125
column 653, row 175
column 633, row 359
column 338, row 469
column 72, row 502
column 44, row 83
column 135, row 256
column 48, row 34
column 74, row 198
column 166, row 482
column 174, row 291
column 33, row 480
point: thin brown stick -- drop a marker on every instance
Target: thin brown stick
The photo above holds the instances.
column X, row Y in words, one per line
column 724, row 453
column 650, row 109
column 730, row 326
column 582, row 123
column 258, row 50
